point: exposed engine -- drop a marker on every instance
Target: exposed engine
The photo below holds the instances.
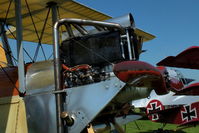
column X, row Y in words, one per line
column 82, row 75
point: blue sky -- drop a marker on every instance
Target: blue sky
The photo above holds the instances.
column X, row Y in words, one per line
column 175, row 23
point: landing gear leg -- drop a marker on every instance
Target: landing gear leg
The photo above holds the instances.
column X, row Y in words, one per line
column 118, row 128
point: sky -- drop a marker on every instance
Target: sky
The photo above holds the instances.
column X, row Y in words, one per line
column 175, row 23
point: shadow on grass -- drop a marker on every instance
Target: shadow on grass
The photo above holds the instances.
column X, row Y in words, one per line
column 165, row 131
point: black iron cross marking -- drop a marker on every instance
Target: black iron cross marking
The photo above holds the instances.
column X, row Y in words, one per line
column 189, row 113
column 154, row 108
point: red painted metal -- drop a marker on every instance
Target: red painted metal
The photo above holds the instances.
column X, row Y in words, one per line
column 143, row 73
column 182, row 115
column 192, row 89
column 187, row 59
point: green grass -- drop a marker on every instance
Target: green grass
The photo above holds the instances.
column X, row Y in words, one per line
column 146, row 126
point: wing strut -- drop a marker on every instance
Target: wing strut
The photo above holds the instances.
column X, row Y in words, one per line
column 5, row 43
column 59, row 105
column 21, row 72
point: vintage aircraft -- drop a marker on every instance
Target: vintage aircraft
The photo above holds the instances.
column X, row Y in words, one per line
column 184, row 116
column 182, row 108
column 93, row 75
column 173, row 108
column 186, row 59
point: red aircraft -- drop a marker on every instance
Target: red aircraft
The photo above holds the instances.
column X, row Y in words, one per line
column 187, row 59
column 183, row 115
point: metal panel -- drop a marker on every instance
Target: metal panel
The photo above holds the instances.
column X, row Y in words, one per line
column 125, row 20
column 89, row 100
column 39, row 99
column 40, row 75
column 41, row 112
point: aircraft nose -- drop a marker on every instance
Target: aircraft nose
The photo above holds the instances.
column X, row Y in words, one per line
column 140, row 74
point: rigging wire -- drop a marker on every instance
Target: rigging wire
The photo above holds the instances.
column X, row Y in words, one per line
column 8, row 76
column 23, row 48
column 42, row 32
column 50, row 56
column 100, row 56
column 83, row 45
column 8, row 10
column 8, row 52
column 15, row 60
column 61, row 30
column 59, row 16
column 6, row 16
column 36, row 31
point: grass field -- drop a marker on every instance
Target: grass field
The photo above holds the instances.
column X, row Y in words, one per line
column 146, row 126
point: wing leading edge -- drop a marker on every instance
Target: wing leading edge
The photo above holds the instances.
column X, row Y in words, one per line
column 187, row 59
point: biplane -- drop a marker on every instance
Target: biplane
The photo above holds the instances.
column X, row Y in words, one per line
column 186, row 59
column 182, row 107
column 94, row 74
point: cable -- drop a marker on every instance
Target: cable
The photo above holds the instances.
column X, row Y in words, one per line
column 50, row 56
column 12, row 33
column 10, row 3
column 45, row 22
column 28, row 55
column 83, row 45
column 9, row 78
column 36, row 31
column 59, row 18
column 7, row 52
column 23, row 48
column 8, row 11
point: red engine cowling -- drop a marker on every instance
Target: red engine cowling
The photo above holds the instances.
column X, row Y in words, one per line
column 140, row 74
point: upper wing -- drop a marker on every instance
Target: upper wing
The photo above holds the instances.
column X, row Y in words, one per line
column 39, row 10
column 145, row 35
column 186, row 59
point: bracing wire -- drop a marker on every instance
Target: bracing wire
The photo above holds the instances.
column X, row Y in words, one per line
column 7, row 52
column 50, row 56
column 9, row 78
column 44, row 26
column 10, row 3
column 23, row 48
column 8, row 10
column 15, row 60
column 100, row 56
column 59, row 17
column 36, row 31
column 61, row 30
